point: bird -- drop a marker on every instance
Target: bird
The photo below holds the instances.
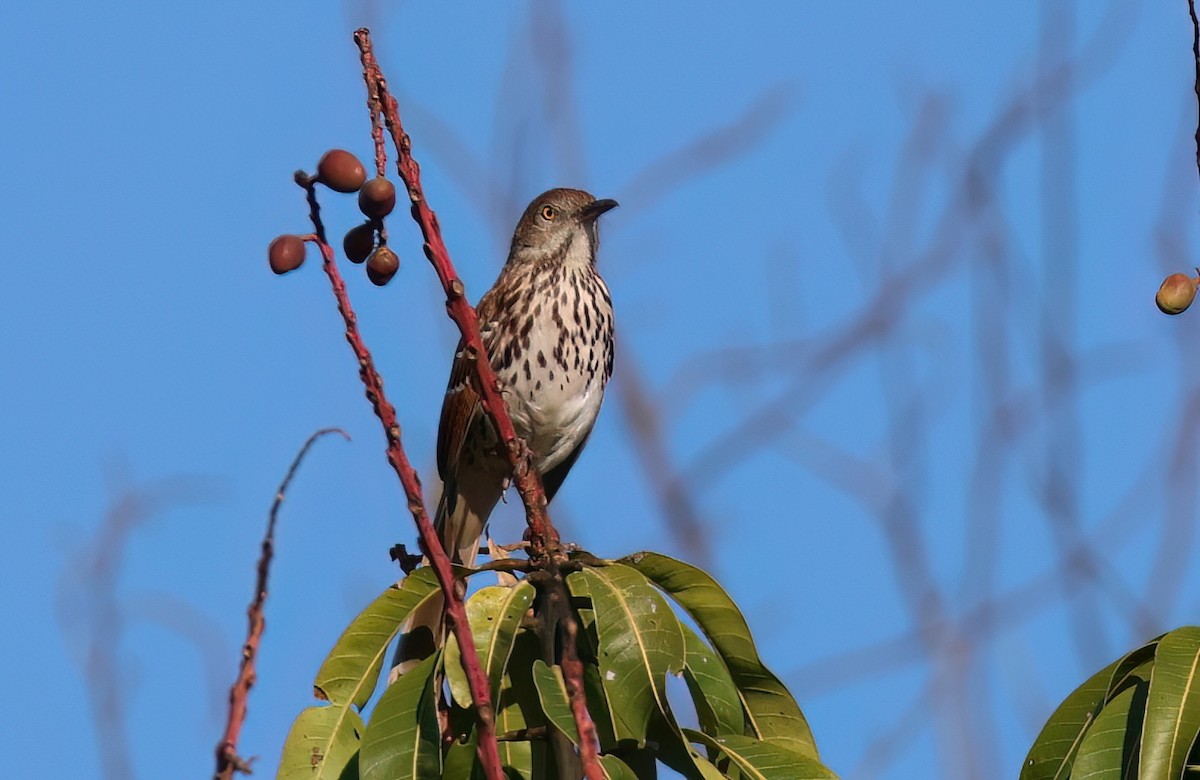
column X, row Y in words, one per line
column 547, row 327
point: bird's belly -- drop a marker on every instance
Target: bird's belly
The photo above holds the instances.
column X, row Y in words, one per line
column 557, row 424
column 556, row 404
column 554, row 355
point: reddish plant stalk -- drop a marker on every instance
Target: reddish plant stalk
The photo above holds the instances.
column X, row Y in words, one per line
column 480, row 685
column 545, row 544
column 228, row 760
column 572, row 667
column 544, row 537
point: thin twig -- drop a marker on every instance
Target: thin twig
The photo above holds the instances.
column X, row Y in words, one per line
column 410, row 481
column 228, row 760
column 572, row 668
column 544, row 538
column 522, row 735
column 1196, row 57
column 94, row 619
column 545, row 545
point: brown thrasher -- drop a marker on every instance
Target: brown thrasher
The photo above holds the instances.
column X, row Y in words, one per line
column 547, row 326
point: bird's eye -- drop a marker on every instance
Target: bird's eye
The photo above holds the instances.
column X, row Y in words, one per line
column 549, row 213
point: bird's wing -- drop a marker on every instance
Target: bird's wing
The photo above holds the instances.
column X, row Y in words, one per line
column 461, row 405
column 458, row 411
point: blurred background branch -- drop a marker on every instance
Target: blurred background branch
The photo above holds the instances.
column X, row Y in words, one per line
column 887, row 360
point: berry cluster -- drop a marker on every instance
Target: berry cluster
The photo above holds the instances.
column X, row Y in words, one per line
column 341, row 171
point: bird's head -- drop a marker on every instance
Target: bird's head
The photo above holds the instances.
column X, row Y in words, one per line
column 559, row 226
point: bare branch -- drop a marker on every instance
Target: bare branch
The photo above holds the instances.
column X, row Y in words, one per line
column 545, row 546
column 228, row 760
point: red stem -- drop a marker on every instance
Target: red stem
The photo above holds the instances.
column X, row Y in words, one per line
column 456, row 612
column 544, row 537
column 572, row 667
column 545, row 544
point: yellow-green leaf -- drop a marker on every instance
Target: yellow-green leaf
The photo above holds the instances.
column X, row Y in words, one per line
column 772, row 713
column 402, row 740
column 351, row 670
column 321, row 742
column 616, row 769
column 518, row 707
column 552, row 692
column 461, row 759
column 760, row 760
column 673, row 749
column 494, row 614
column 715, row 696
column 640, row 641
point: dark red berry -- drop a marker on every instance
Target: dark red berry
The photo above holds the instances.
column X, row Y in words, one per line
column 377, row 198
column 382, row 266
column 286, row 253
column 359, row 242
column 341, row 171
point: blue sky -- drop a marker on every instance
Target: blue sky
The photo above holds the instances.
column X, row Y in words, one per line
column 148, row 152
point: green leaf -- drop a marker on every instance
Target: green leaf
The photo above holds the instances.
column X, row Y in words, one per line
column 553, row 694
column 708, row 770
column 517, row 755
column 321, row 742
column 461, row 759
column 675, row 750
column 715, row 696
column 597, row 703
column 1110, row 746
column 616, row 769
column 640, row 641
column 1173, row 705
column 1192, row 770
column 456, row 678
column 517, row 707
column 1054, row 750
column 350, row 772
column 586, row 645
column 772, row 712
column 509, row 719
column 351, row 670
column 511, row 605
column 402, row 740
column 759, row 760
column 1132, row 667
column 494, row 614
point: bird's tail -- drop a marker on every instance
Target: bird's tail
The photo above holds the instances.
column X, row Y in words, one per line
column 459, row 522
column 462, row 512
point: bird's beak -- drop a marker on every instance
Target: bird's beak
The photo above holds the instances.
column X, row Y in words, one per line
column 591, row 211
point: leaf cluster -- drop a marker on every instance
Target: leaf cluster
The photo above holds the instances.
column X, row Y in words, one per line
column 1138, row 717
column 636, row 618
